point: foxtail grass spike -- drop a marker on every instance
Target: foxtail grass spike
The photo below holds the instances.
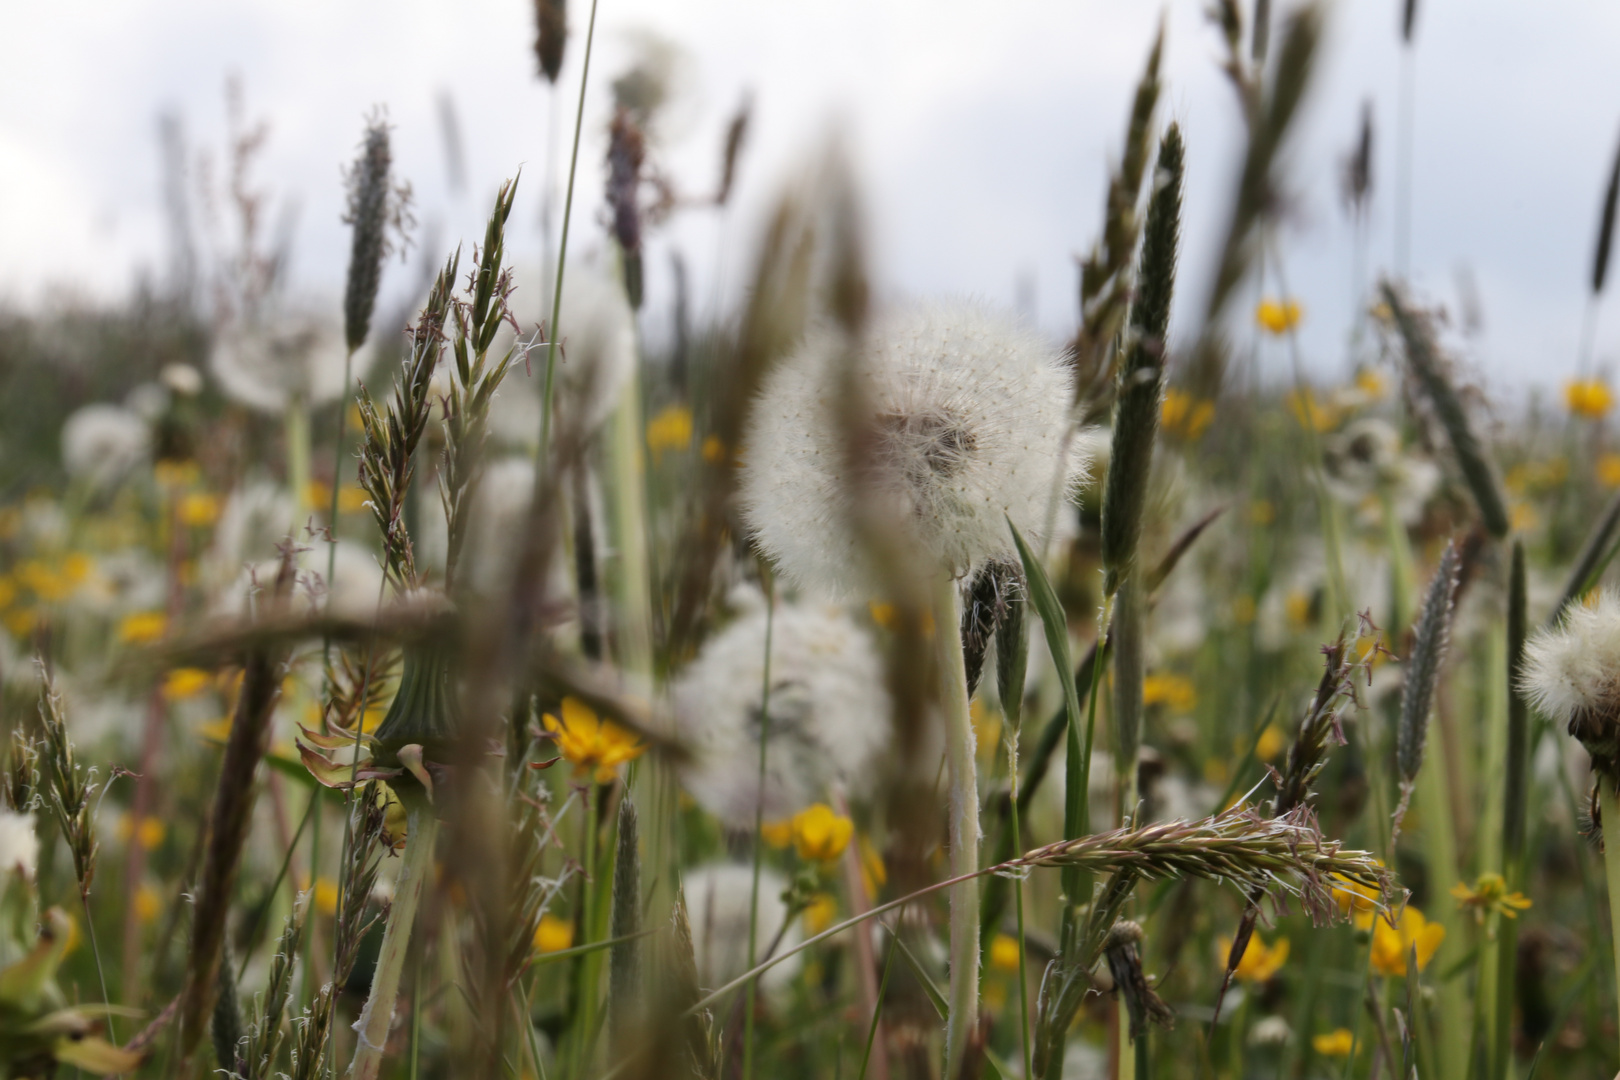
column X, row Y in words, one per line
column 1141, row 374
column 1605, row 235
column 376, row 208
column 1423, row 356
column 1430, row 638
column 624, row 985
column 550, row 35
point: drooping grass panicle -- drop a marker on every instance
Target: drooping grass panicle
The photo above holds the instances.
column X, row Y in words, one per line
column 69, row 787
column 1422, row 354
column 1105, row 274
column 550, row 35
column 1431, row 637
column 1140, row 379
column 231, row 816
column 379, row 215
column 387, row 461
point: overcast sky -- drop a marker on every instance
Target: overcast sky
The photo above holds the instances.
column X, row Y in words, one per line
column 982, row 133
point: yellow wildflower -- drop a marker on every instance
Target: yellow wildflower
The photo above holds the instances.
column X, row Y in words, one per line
column 986, row 727
column 1260, row 961
column 142, row 628
column 1523, row 516
column 1608, row 470
column 1308, row 410
column 8, row 590
column 671, row 429
column 1182, row 414
column 148, row 904
column 77, row 567
column 199, row 509
column 1590, row 399
column 45, row 582
column 326, row 896
column 21, row 622
column 1262, row 512
column 216, row 730
column 1297, row 606
column 590, row 742
column 820, row 833
column 352, row 499
column 1004, row 953
column 714, row 450
column 1372, row 382
column 1272, row 742
column 149, row 833
column 1170, row 690
column 553, row 934
column 1278, row 316
column 778, row 834
column 874, row 875
column 1337, row 1043
column 1391, row 944
column 820, row 913
column 1490, row 894
column 1359, row 902
column 1243, row 610
column 887, row 616
column 186, row 682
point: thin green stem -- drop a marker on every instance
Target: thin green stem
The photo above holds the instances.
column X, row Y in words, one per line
column 1018, row 905
column 877, row 1013
column 1610, row 808
column 963, row 827
column 95, row 950
column 562, row 255
column 759, row 827
column 421, row 831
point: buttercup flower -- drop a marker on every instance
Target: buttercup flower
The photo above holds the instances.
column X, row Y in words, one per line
column 1278, row 316
column 1336, row 1043
column 553, row 934
column 1182, row 414
column 1489, row 894
column 1260, row 961
column 820, row 834
column 589, row 742
column 1589, row 399
column 1392, row 944
column 969, row 412
column 671, row 429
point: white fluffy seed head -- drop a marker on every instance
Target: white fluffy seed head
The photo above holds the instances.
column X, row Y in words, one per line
column 19, row 844
column 829, row 714
column 102, row 443
column 266, row 366
column 1573, row 669
column 969, row 410
column 718, row 897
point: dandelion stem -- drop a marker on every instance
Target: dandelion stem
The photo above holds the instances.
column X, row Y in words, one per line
column 1018, row 906
column 421, row 830
column 963, row 831
column 759, row 825
column 1610, row 807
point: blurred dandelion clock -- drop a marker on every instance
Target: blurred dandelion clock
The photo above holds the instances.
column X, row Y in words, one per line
column 19, row 844
column 829, row 714
column 717, row 906
column 267, row 366
column 970, row 412
column 102, row 443
column 1368, row 469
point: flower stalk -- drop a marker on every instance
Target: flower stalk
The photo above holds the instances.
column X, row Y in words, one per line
column 963, row 829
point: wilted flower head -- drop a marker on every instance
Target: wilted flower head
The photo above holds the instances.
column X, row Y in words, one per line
column 1572, row 676
column 717, row 904
column 102, row 443
column 829, row 714
column 268, row 364
column 969, row 411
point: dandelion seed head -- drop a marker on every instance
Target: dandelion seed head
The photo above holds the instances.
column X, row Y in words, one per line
column 102, row 443
column 19, row 844
column 717, row 906
column 266, row 365
column 968, row 410
column 1572, row 672
column 829, row 714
